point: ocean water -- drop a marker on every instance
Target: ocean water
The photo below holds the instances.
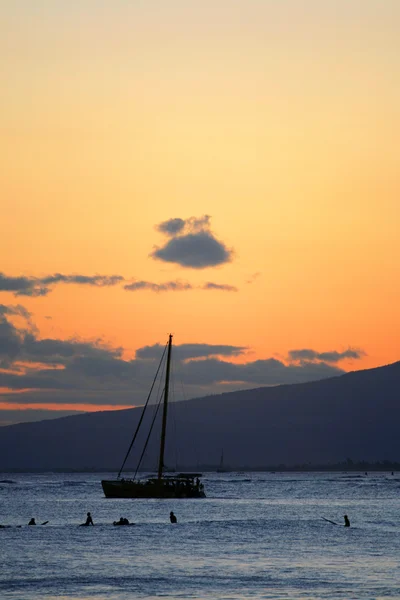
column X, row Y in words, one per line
column 256, row 535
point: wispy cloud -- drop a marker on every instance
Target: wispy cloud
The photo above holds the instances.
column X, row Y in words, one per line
column 307, row 354
column 190, row 351
column 41, row 286
column 168, row 286
column 94, row 280
column 171, row 227
column 191, row 225
column 35, row 286
column 219, row 286
column 176, row 286
column 22, row 286
column 16, row 310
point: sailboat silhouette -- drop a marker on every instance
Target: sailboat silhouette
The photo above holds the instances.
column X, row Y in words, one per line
column 221, row 468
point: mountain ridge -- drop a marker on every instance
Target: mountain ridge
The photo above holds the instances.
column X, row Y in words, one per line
column 349, row 415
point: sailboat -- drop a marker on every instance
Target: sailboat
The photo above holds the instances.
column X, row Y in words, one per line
column 221, row 468
column 181, row 485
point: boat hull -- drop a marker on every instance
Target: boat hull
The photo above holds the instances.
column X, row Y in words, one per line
column 119, row 488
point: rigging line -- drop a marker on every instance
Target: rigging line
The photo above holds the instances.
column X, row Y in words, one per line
column 160, row 382
column 143, row 411
column 173, row 414
column 149, row 434
column 156, row 407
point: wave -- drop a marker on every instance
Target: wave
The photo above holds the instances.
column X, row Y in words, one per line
column 219, row 480
column 67, row 483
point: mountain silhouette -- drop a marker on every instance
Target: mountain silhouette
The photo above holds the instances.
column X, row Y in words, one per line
column 353, row 415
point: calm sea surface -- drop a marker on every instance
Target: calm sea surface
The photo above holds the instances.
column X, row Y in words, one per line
column 256, row 535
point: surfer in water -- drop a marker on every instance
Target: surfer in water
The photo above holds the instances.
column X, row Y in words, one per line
column 122, row 521
column 346, row 521
column 89, row 520
column 172, row 517
column 32, row 522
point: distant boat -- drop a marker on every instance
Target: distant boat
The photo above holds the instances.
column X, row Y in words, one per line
column 221, row 468
column 182, row 485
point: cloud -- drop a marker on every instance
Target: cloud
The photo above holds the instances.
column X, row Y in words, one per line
column 41, row 286
column 219, row 286
column 63, row 351
column 16, row 310
column 261, row 372
column 81, row 372
column 22, row 344
column 22, row 286
column 192, row 244
column 333, row 356
column 190, row 225
column 34, row 287
column 172, row 226
column 194, row 250
column 94, row 280
column 174, row 286
column 190, row 351
column 10, row 342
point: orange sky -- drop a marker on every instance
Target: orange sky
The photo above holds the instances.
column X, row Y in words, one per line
column 279, row 120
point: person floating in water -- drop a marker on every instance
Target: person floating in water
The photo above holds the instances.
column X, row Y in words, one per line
column 32, row 522
column 346, row 521
column 89, row 520
column 172, row 517
column 122, row 521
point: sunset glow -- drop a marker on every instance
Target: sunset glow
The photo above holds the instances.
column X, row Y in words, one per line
column 224, row 171
column 60, row 407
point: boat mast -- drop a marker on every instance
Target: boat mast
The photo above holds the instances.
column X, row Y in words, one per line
column 164, row 417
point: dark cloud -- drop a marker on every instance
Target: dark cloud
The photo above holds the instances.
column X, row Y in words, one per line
column 174, row 286
column 333, row 356
column 131, row 379
column 16, row 310
column 94, row 280
column 22, row 344
column 172, row 226
column 11, row 337
column 62, row 351
column 10, row 342
column 90, row 372
column 261, row 372
column 35, row 286
column 219, row 286
column 190, row 351
column 192, row 244
column 41, row 379
column 190, row 225
column 194, row 250
column 22, row 286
